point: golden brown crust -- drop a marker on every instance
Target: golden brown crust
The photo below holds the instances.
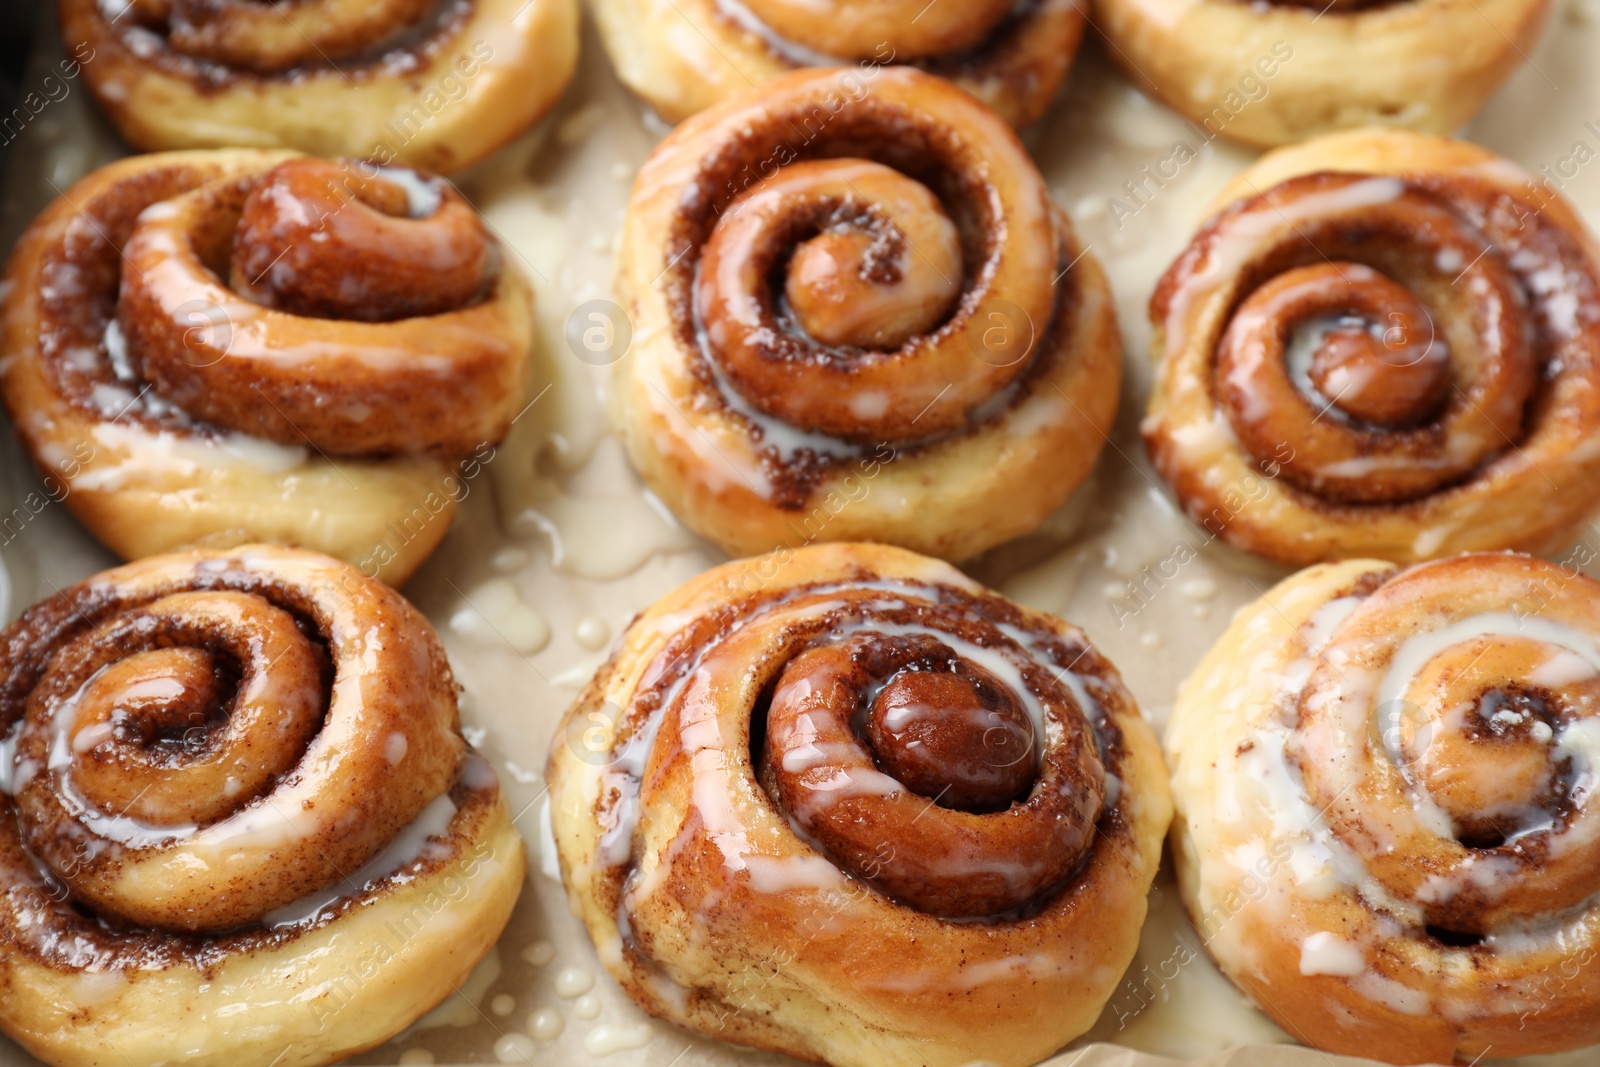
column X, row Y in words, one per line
column 1385, row 344
column 1012, row 57
column 226, row 771
column 954, row 409
column 1274, row 73
column 165, row 406
column 746, row 870
column 1386, row 827
column 437, row 85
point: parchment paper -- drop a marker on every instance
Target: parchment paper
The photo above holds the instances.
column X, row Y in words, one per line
column 558, row 545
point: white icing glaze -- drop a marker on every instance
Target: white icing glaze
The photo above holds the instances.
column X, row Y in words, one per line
column 573, row 982
column 992, row 660
column 587, row 1007
column 1416, row 651
column 549, row 862
column 495, row 614
column 423, row 195
column 1325, row 953
column 514, row 1048
column 8, row 759
column 793, row 51
column 549, row 213
column 1245, row 234
column 406, row 847
column 546, row 1024
column 1580, row 742
column 608, row 1038
column 711, row 790
column 606, row 535
column 1266, row 780
column 592, row 633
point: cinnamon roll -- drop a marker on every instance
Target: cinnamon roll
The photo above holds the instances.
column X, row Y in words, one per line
column 844, row 803
column 1387, row 344
column 1387, row 828
column 437, row 84
column 233, row 786
column 868, row 325
column 303, row 350
column 1277, row 71
column 683, row 56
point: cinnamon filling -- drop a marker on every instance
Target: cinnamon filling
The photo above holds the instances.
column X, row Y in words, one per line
column 946, row 731
column 270, row 38
column 193, row 754
column 364, row 312
column 1392, row 344
column 927, row 747
column 215, row 43
column 323, row 238
column 849, row 276
column 1468, row 797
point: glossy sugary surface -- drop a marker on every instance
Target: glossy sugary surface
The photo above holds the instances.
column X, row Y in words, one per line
column 228, row 777
column 1388, row 832
column 421, row 83
column 992, row 370
column 698, row 853
column 174, row 406
column 1478, row 293
column 1012, row 56
column 1151, row 590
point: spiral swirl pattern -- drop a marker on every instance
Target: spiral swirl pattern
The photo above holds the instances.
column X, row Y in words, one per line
column 239, row 33
column 362, row 316
column 894, row 285
column 437, row 84
column 863, row 733
column 1426, row 752
column 303, row 349
column 1011, row 55
column 218, row 764
column 1400, row 360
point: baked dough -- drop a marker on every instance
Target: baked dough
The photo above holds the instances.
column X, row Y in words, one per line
column 1383, row 344
column 436, row 84
column 1387, row 828
column 1276, row 71
column 937, row 365
column 683, row 56
column 842, row 802
column 210, row 345
column 234, row 784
